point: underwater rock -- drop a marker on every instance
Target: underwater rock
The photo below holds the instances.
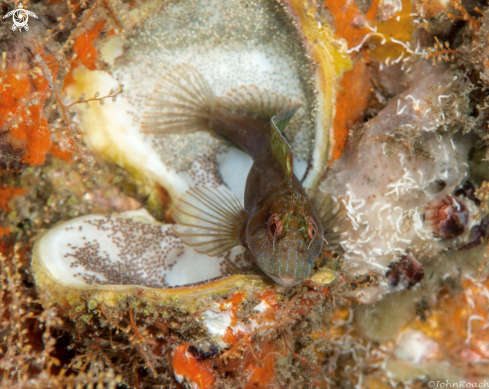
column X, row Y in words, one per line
column 405, row 159
column 122, row 325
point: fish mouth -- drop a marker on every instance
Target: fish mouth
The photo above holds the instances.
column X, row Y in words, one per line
column 286, row 281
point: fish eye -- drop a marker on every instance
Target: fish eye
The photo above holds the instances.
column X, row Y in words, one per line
column 275, row 226
column 312, row 228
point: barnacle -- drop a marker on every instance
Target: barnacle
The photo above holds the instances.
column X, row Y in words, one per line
column 406, row 270
column 448, row 217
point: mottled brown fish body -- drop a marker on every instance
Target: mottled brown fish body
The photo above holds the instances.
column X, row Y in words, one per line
column 269, row 191
column 278, row 225
column 249, row 133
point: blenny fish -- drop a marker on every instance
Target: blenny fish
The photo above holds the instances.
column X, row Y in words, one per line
column 280, row 225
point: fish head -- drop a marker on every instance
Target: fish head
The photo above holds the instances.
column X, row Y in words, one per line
column 286, row 238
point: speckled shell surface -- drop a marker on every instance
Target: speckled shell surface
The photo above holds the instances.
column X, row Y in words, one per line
column 266, row 44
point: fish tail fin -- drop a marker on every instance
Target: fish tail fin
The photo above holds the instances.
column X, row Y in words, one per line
column 183, row 103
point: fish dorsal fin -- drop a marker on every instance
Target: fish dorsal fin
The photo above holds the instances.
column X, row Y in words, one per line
column 331, row 213
column 280, row 148
column 259, row 103
column 209, row 219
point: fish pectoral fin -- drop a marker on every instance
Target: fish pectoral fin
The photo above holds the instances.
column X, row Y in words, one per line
column 331, row 213
column 210, row 220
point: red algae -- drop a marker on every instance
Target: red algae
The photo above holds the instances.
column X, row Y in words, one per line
column 188, row 367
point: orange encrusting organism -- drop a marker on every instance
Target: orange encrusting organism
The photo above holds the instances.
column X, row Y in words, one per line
column 235, row 300
column 261, row 369
column 4, row 231
column 14, row 87
column 270, row 298
column 352, row 101
column 23, row 96
column 382, row 41
column 349, row 21
column 84, row 49
column 28, row 127
column 59, row 153
column 464, row 337
column 3, row 246
column 386, row 38
column 34, row 131
column 186, row 365
column 6, row 194
column 84, row 52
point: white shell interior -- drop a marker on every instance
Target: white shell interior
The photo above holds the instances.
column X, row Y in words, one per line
column 127, row 249
column 232, row 43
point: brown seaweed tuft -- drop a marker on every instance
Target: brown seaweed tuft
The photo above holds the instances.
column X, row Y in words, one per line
column 33, row 337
